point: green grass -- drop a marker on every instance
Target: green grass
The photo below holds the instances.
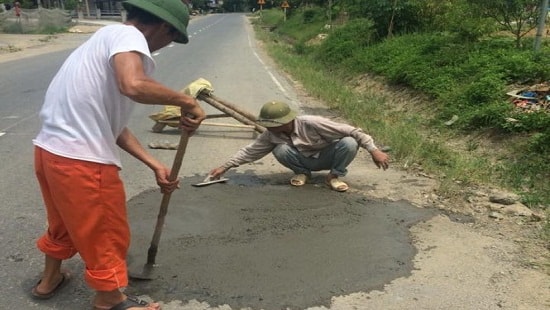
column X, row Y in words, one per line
column 450, row 75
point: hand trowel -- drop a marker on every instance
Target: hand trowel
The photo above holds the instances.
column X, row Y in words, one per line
column 208, row 180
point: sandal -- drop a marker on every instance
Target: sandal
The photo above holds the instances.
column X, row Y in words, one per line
column 65, row 278
column 129, row 302
column 298, row 180
column 337, row 185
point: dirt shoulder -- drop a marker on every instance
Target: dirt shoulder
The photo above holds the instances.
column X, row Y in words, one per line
column 17, row 46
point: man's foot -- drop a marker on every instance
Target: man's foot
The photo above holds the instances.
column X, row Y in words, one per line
column 337, row 185
column 43, row 290
column 130, row 303
column 298, row 180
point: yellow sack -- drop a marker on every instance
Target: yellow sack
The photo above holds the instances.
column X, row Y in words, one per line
column 172, row 113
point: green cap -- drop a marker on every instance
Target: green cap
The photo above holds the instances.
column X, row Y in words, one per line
column 275, row 114
column 174, row 12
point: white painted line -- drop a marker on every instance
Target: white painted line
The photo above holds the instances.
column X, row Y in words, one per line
column 3, row 130
column 281, row 88
column 2, row 133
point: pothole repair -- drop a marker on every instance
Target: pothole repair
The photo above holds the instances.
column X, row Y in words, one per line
column 270, row 246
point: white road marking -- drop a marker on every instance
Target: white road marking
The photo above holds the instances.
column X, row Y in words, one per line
column 281, row 88
column 3, row 130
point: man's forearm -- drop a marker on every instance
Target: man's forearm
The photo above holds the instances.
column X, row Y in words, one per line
column 129, row 143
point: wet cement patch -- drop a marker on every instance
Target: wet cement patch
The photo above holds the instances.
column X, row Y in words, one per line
column 251, row 243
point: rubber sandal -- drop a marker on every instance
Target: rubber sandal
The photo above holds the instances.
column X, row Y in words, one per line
column 337, row 185
column 298, row 180
column 66, row 277
column 129, row 302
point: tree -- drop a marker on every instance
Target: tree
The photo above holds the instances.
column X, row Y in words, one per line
column 390, row 17
column 516, row 16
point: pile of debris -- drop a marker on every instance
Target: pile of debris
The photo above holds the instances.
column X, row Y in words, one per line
column 533, row 98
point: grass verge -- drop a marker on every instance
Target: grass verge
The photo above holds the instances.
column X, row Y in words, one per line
column 418, row 139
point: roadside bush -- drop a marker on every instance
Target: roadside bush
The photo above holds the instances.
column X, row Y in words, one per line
column 529, row 122
column 485, row 88
column 486, row 115
column 310, row 15
column 540, row 142
column 12, row 27
column 298, row 29
column 528, row 173
column 344, row 42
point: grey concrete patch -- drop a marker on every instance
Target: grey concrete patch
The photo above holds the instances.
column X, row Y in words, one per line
column 270, row 246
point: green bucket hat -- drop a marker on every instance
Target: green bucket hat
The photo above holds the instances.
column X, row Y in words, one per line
column 174, row 12
column 275, row 114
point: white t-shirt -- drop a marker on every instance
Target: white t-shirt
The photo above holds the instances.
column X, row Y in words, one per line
column 84, row 111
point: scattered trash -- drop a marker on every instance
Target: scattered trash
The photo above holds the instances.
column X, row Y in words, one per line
column 533, row 98
column 452, row 120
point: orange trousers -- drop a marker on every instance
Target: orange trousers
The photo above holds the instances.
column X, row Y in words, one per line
column 86, row 209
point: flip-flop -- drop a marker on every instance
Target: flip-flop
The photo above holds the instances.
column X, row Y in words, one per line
column 129, row 302
column 66, row 277
column 337, row 185
column 298, row 180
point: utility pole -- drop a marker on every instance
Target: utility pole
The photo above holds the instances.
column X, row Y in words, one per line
column 542, row 23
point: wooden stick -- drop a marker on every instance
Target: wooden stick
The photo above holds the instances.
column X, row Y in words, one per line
column 233, row 113
column 152, row 252
column 233, row 107
column 227, row 125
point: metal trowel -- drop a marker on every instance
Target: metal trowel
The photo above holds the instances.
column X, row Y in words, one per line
column 208, row 180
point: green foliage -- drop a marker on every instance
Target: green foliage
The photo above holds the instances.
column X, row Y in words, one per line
column 487, row 115
column 309, row 15
column 470, row 79
column 484, row 89
column 28, row 4
column 540, row 142
column 271, row 18
column 12, row 27
column 516, row 16
column 71, row 4
column 300, row 48
column 345, row 41
column 389, row 17
column 294, row 30
column 464, row 70
column 537, row 121
column 457, row 17
column 528, row 173
column 51, row 29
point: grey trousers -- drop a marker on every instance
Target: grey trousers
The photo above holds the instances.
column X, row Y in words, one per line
column 335, row 157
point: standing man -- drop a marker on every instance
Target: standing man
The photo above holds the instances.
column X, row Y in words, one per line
column 18, row 11
column 84, row 117
column 304, row 144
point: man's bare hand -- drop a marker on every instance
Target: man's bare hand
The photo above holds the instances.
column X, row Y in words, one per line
column 215, row 174
column 190, row 120
column 381, row 159
column 163, row 180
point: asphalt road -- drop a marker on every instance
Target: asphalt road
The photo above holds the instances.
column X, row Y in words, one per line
column 254, row 242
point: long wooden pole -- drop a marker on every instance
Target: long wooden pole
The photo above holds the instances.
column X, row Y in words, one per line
column 233, row 111
column 152, row 252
